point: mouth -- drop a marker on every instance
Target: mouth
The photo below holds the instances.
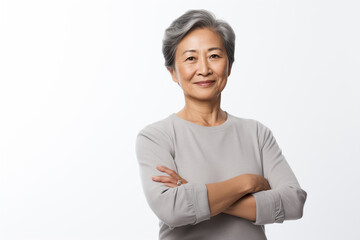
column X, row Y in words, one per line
column 205, row 83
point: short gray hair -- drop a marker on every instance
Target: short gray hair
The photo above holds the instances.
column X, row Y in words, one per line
column 189, row 21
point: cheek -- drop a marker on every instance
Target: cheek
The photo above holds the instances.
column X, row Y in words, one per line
column 222, row 69
column 185, row 72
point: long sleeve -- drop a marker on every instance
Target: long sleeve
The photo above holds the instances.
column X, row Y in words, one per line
column 179, row 206
column 285, row 200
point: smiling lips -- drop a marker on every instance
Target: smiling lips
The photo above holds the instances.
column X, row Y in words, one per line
column 205, row 83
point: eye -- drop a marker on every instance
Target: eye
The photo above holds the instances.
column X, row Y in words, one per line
column 214, row 56
column 190, row 59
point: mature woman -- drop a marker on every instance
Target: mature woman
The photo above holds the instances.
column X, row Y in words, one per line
column 208, row 174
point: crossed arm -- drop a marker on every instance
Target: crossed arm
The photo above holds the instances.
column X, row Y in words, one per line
column 232, row 196
column 247, row 196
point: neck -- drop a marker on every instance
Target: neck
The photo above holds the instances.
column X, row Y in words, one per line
column 206, row 113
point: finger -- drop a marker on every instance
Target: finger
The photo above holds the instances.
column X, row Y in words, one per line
column 168, row 171
column 171, row 185
column 164, row 179
column 183, row 181
column 171, row 173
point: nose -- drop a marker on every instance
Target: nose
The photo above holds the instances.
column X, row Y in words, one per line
column 203, row 67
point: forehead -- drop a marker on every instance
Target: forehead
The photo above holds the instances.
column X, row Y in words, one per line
column 201, row 38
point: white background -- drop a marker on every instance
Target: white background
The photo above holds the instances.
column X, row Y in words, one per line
column 79, row 79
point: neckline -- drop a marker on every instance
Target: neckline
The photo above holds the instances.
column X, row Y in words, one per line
column 206, row 128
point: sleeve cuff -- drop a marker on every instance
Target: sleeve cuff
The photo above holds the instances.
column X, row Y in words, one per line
column 198, row 194
column 269, row 208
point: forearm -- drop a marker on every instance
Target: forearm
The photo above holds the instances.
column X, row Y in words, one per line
column 285, row 200
column 280, row 204
column 223, row 194
column 245, row 208
column 228, row 196
column 292, row 202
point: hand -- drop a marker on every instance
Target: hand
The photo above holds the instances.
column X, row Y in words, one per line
column 171, row 180
column 256, row 183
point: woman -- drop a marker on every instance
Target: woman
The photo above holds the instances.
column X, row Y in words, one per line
column 208, row 174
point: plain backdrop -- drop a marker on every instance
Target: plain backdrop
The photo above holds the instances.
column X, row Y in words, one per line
column 80, row 79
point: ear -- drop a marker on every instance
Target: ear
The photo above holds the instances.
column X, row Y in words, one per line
column 173, row 74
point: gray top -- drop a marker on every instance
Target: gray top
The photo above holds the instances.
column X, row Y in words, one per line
column 204, row 155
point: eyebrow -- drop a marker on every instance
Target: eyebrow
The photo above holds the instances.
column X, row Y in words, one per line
column 210, row 49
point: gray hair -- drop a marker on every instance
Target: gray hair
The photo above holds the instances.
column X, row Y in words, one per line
column 189, row 21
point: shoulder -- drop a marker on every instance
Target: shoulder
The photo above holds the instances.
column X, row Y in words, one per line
column 244, row 122
column 158, row 132
column 249, row 123
column 252, row 127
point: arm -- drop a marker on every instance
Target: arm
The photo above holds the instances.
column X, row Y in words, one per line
column 179, row 206
column 244, row 208
column 285, row 200
column 221, row 195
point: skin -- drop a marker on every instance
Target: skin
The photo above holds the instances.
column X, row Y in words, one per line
column 201, row 56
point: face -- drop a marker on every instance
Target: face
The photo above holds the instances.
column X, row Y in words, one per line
column 201, row 65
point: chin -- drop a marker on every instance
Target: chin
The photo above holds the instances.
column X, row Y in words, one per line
column 205, row 97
